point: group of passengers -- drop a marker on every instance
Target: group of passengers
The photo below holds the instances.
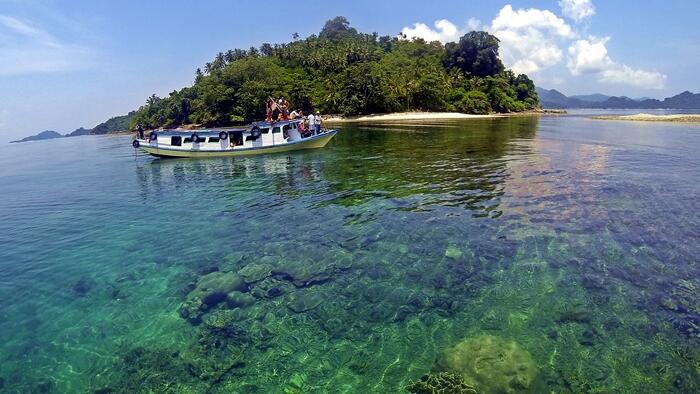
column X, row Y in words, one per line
column 277, row 111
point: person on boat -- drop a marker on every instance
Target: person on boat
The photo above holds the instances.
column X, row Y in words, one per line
column 301, row 127
column 283, row 106
column 295, row 114
column 310, row 121
column 139, row 132
column 269, row 108
column 317, row 122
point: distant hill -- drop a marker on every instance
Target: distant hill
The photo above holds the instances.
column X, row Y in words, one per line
column 77, row 132
column 555, row 99
column 593, row 98
column 115, row 124
column 112, row 125
column 44, row 135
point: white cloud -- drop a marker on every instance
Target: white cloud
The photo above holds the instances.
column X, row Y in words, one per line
column 588, row 56
column 577, row 10
column 531, row 41
column 531, row 18
column 591, row 57
column 26, row 49
column 445, row 31
column 474, row 24
column 530, row 38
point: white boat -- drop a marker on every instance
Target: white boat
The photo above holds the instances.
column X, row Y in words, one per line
column 261, row 138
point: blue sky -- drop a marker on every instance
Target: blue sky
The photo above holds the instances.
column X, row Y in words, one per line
column 66, row 64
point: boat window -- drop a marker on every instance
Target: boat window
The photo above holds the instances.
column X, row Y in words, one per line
column 287, row 127
column 187, row 140
column 176, row 141
column 276, row 129
column 213, row 139
column 265, row 131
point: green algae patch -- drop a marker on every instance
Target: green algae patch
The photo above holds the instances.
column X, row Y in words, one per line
column 453, row 252
column 492, row 364
column 440, row 383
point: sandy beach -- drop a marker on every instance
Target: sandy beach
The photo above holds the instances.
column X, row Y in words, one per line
column 642, row 117
column 408, row 116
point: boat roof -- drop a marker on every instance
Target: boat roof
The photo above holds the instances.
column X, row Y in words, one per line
column 275, row 124
column 207, row 132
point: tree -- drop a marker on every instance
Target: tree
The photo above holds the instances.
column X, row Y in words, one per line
column 476, row 54
column 337, row 28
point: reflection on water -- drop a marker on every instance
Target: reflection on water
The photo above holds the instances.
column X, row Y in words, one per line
column 563, row 247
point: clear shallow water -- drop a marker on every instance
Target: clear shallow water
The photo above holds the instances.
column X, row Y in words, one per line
column 577, row 239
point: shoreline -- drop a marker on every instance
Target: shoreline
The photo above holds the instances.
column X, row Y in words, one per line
column 414, row 116
column 643, row 117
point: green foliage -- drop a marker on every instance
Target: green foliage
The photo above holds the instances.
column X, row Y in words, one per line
column 476, row 54
column 343, row 71
column 117, row 123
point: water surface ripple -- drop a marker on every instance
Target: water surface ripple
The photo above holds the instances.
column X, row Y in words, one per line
column 577, row 239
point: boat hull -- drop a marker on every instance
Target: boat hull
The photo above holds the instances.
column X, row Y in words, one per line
column 318, row 141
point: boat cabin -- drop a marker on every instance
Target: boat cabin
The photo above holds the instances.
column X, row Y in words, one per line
column 260, row 134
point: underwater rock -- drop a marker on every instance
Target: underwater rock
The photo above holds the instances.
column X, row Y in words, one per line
column 381, row 312
column 255, row 272
column 305, row 274
column 210, row 290
column 334, row 327
column 377, row 271
column 492, row 364
column 574, row 316
column 270, row 288
column 376, row 293
column 223, row 328
column 83, row 286
column 440, row 383
column 236, row 299
column 303, row 301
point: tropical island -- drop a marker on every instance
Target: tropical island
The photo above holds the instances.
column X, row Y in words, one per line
column 343, row 71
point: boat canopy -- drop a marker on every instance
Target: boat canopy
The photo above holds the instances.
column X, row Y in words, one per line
column 208, row 132
column 279, row 123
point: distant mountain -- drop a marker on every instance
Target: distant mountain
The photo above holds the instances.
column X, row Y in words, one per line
column 593, row 98
column 44, row 135
column 552, row 98
column 555, row 99
column 112, row 125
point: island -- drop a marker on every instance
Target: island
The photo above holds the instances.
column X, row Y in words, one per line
column 44, row 135
column 347, row 73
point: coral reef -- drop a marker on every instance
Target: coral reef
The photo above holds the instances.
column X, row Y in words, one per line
column 210, row 290
column 440, row 383
column 493, row 364
column 303, row 301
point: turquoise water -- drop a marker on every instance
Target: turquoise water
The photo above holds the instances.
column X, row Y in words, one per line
column 363, row 263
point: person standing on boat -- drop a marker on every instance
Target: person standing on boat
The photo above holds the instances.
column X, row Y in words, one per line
column 317, row 122
column 283, row 106
column 269, row 109
column 139, row 132
column 312, row 122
